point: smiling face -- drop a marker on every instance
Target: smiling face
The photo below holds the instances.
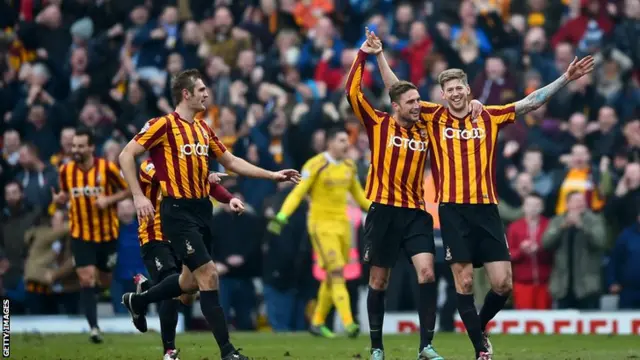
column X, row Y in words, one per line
column 455, row 88
column 405, row 100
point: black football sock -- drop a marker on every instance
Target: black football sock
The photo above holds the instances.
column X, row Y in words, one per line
column 166, row 289
column 493, row 303
column 375, row 310
column 168, row 313
column 427, row 313
column 471, row 321
column 212, row 311
column 90, row 305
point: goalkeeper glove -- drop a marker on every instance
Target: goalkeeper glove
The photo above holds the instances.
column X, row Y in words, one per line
column 275, row 226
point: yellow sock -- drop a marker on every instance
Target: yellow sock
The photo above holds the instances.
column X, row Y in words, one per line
column 342, row 301
column 324, row 304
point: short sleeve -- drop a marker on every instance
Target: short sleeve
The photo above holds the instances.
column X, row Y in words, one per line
column 147, row 172
column 502, row 114
column 215, row 145
column 62, row 178
column 115, row 176
column 152, row 133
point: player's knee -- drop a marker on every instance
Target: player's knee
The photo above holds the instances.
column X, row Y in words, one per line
column 504, row 286
column 87, row 277
column 425, row 275
column 187, row 299
column 188, row 283
column 465, row 282
column 206, row 276
column 378, row 281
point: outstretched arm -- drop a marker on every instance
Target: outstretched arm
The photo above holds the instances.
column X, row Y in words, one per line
column 540, row 96
column 576, row 70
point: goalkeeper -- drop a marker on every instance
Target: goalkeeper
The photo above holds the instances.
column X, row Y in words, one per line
column 327, row 178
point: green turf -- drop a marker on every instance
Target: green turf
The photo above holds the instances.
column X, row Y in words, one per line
column 201, row 346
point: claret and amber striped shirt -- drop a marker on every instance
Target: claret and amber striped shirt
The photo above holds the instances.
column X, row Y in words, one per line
column 152, row 230
column 463, row 156
column 180, row 152
column 88, row 222
column 398, row 154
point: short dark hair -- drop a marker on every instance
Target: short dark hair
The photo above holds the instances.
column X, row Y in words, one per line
column 184, row 80
column 85, row 131
column 334, row 131
column 396, row 90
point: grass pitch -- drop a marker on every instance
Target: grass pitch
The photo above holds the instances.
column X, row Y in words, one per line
column 262, row 346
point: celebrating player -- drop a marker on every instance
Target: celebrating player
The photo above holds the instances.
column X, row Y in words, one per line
column 327, row 178
column 397, row 218
column 93, row 186
column 463, row 164
column 180, row 147
column 160, row 260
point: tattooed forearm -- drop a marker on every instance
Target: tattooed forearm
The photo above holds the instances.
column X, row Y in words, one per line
column 540, row 96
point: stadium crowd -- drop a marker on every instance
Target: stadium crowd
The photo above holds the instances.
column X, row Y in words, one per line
column 568, row 173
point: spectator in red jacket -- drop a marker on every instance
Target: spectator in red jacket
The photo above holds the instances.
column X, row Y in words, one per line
column 531, row 264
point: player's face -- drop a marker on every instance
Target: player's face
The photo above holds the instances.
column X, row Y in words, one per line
column 198, row 100
column 456, row 93
column 408, row 107
column 339, row 145
column 81, row 149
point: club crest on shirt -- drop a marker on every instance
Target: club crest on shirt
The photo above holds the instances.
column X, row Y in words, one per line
column 149, row 167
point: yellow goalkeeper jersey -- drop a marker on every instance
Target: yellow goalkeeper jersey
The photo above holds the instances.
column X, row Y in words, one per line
column 327, row 182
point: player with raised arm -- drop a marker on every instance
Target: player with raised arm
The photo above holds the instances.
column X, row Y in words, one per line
column 180, row 148
column 397, row 218
column 161, row 261
column 463, row 161
column 328, row 178
column 92, row 186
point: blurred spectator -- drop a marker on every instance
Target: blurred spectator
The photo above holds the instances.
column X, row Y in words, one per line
column 237, row 257
column 587, row 29
column 494, row 86
column 530, row 261
column 604, row 136
column 624, row 265
column 522, row 187
column 66, row 141
column 577, row 239
column 533, row 164
column 51, row 282
column 287, row 268
column 580, row 176
column 36, row 176
column 18, row 216
column 626, row 197
column 129, row 262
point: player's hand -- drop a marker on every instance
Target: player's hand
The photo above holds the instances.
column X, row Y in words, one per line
column 59, row 197
column 216, row 177
column 276, row 224
column 476, row 109
column 372, row 45
column 102, row 202
column 287, row 175
column 237, row 206
column 579, row 68
column 144, row 208
column 235, row 260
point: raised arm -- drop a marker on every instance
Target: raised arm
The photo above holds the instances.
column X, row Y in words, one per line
column 576, row 70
